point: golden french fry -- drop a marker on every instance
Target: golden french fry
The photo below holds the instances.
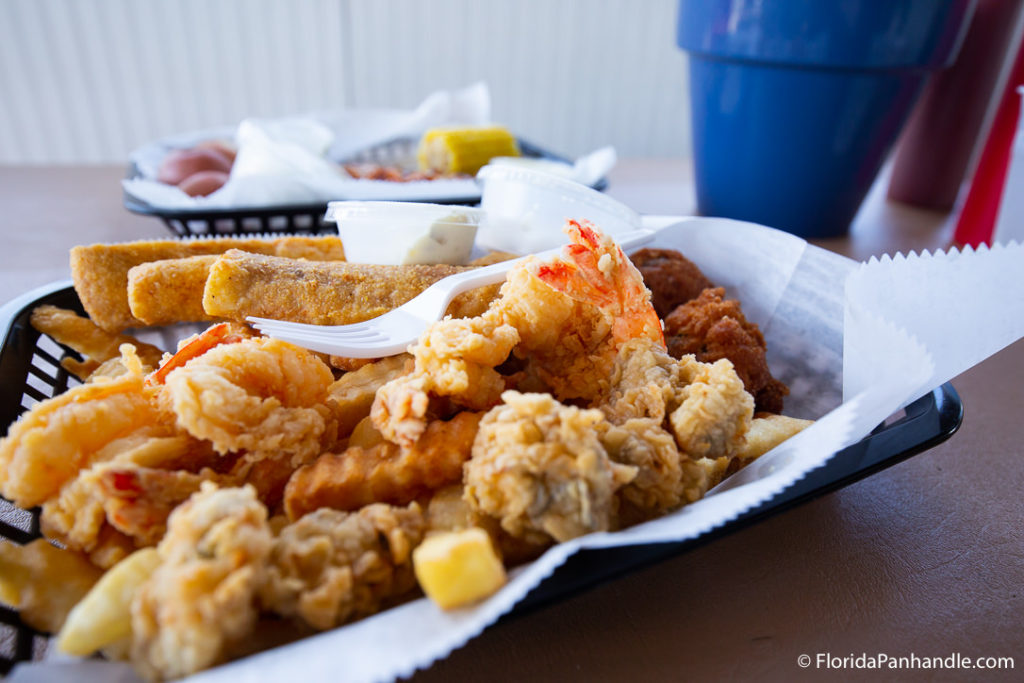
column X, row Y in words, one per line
column 43, row 582
column 458, row 567
column 766, row 432
column 103, row 617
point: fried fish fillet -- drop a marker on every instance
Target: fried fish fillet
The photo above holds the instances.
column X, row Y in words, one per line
column 319, row 293
column 169, row 291
column 100, row 271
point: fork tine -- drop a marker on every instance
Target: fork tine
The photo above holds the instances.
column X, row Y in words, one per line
column 347, row 351
column 338, row 335
column 396, row 330
column 266, row 324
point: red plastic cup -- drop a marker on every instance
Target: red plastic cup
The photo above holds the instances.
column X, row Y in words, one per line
column 978, row 218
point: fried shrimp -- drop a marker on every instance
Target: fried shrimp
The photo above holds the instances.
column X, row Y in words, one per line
column 597, row 272
column 575, row 311
column 564, row 320
column 259, row 395
column 126, row 494
column 53, row 441
column 454, row 358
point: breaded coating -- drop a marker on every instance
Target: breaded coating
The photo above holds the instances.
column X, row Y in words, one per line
column 260, row 395
column 132, row 487
column 448, row 510
column 58, row 437
column 201, row 599
column 672, row 278
column 540, row 468
column 658, row 486
column 455, row 359
column 562, row 320
column 475, row 302
column 714, row 415
column 704, row 405
column 95, row 344
column 352, row 394
column 169, row 291
column 384, row 473
column 711, row 328
column 610, row 305
column 332, row 567
column 100, row 271
column 243, row 284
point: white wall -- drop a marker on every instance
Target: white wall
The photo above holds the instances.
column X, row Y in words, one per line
column 89, row 80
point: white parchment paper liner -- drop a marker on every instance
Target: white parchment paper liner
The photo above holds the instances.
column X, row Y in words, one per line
column 911, row 324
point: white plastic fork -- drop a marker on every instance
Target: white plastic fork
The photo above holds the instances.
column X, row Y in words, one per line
column 393, row 332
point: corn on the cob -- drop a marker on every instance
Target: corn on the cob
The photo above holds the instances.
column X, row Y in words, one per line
column 464, row 150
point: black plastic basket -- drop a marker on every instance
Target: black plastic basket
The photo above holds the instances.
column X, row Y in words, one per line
column 30, row 371
column 301, row 218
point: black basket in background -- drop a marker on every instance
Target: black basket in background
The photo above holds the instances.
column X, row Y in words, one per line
column 302, row 218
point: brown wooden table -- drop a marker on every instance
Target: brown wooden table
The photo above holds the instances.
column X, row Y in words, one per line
column 924, row 558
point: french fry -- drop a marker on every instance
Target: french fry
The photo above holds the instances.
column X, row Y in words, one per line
column 103, row 617
column 43, row 582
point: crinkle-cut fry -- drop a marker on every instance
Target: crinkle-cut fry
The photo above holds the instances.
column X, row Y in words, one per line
column 100, row 271
column 384, row 473
column 351, row 395
column 103, row 617
column 243, row 284
column 89, row 339
column 169, row 291
column 43, row 582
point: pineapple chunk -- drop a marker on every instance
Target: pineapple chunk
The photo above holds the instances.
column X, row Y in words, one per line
column 458, row 567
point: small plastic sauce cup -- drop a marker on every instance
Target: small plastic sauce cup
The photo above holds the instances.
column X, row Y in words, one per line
column 404, row 233
column 525, row 209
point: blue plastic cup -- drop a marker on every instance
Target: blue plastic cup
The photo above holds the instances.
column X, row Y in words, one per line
column 796, row 103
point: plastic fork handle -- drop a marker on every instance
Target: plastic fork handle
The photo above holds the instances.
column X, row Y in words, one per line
column 489, row 275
